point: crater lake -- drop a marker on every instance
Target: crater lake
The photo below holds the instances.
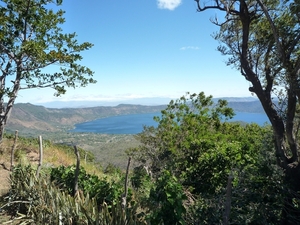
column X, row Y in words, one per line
column 134, row 123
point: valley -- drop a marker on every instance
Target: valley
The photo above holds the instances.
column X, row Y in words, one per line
column 54, row 125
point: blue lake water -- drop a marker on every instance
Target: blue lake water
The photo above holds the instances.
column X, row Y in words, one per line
column 133, row 124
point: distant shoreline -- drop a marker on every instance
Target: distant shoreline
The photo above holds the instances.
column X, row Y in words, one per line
column 133, row 123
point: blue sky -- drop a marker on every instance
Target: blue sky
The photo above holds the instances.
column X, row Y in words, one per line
column 145, row 49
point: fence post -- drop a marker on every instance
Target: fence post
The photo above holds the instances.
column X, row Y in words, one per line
column 13, row 151
column 41, row 156
column 124, row 196
column 60, row 218
column 226, row 214
column 76, row 171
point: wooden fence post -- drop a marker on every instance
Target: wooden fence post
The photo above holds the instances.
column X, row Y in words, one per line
column 41, row 156
column 76, row 171
column 12, row 156
column 60, row 218
column 124, row 196
column 226, row 214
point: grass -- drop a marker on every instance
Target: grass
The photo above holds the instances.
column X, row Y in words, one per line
column 27, row 151
column 54, row 155
column 107, row 148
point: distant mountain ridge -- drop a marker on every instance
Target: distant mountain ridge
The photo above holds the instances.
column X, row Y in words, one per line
column 28, row 117
column 86, row 104
column 250, row 106
column 138, row 101
column 238, row 99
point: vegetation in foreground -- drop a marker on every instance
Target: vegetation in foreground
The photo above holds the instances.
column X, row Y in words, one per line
column 261, row 40
column 194, row 168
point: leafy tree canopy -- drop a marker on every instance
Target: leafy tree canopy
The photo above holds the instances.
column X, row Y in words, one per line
column 262, row 40
column 194, row 141
column 32, row 44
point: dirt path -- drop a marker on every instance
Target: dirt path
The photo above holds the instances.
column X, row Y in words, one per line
column 4, row 180
column 32, row 157
column 4, row 175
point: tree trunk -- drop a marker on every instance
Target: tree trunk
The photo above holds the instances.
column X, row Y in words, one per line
column 291, row 209
column 6, row 111
column 2, row 126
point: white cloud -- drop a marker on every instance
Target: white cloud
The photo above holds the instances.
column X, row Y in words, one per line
column 189, row 47
column 168, row 4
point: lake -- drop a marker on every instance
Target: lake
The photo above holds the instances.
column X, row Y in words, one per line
column 133, row 123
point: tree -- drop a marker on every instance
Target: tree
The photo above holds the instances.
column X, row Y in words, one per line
column 195, row 143
column 31, row 45
column 261, row 39
column 187, row 132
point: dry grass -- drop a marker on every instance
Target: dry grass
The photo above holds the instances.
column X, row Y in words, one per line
column 27, row 151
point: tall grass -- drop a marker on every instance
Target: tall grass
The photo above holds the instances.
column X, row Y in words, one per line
column 38, row 201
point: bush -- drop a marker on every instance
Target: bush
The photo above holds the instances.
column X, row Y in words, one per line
column 100, row 189
column 38, row 201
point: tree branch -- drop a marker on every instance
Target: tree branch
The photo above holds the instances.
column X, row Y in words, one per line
column 274, row 31
column 217, row 6
column 269, row 78
column 291, row 110
column 42, row 85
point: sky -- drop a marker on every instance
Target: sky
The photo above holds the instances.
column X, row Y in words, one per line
column 145, row 49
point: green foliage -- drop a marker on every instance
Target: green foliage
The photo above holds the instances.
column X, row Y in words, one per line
column 256, row 198
column 167, row 201
column 38, row 201
column 206, row 210
column 112, row 169
column 31, row 33
column 190, row 155
column 193, row 141
column 32, row 44
column 178, row 193
column 100, row 189
column 140, row 177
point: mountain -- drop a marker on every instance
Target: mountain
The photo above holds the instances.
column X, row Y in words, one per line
column 138, row 101
column 85, row 104
column 33, row 117
column 237, row 99
column 250, row 106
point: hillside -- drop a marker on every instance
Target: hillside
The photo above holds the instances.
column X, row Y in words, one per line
column 32, row 118
column 249, row 106
column 53, row 124
column 38, row 118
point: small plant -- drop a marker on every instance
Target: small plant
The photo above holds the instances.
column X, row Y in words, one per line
column 100, row 189
column 39, row 201
column 167, row 201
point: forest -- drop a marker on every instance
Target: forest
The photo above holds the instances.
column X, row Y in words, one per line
column 195, row 167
